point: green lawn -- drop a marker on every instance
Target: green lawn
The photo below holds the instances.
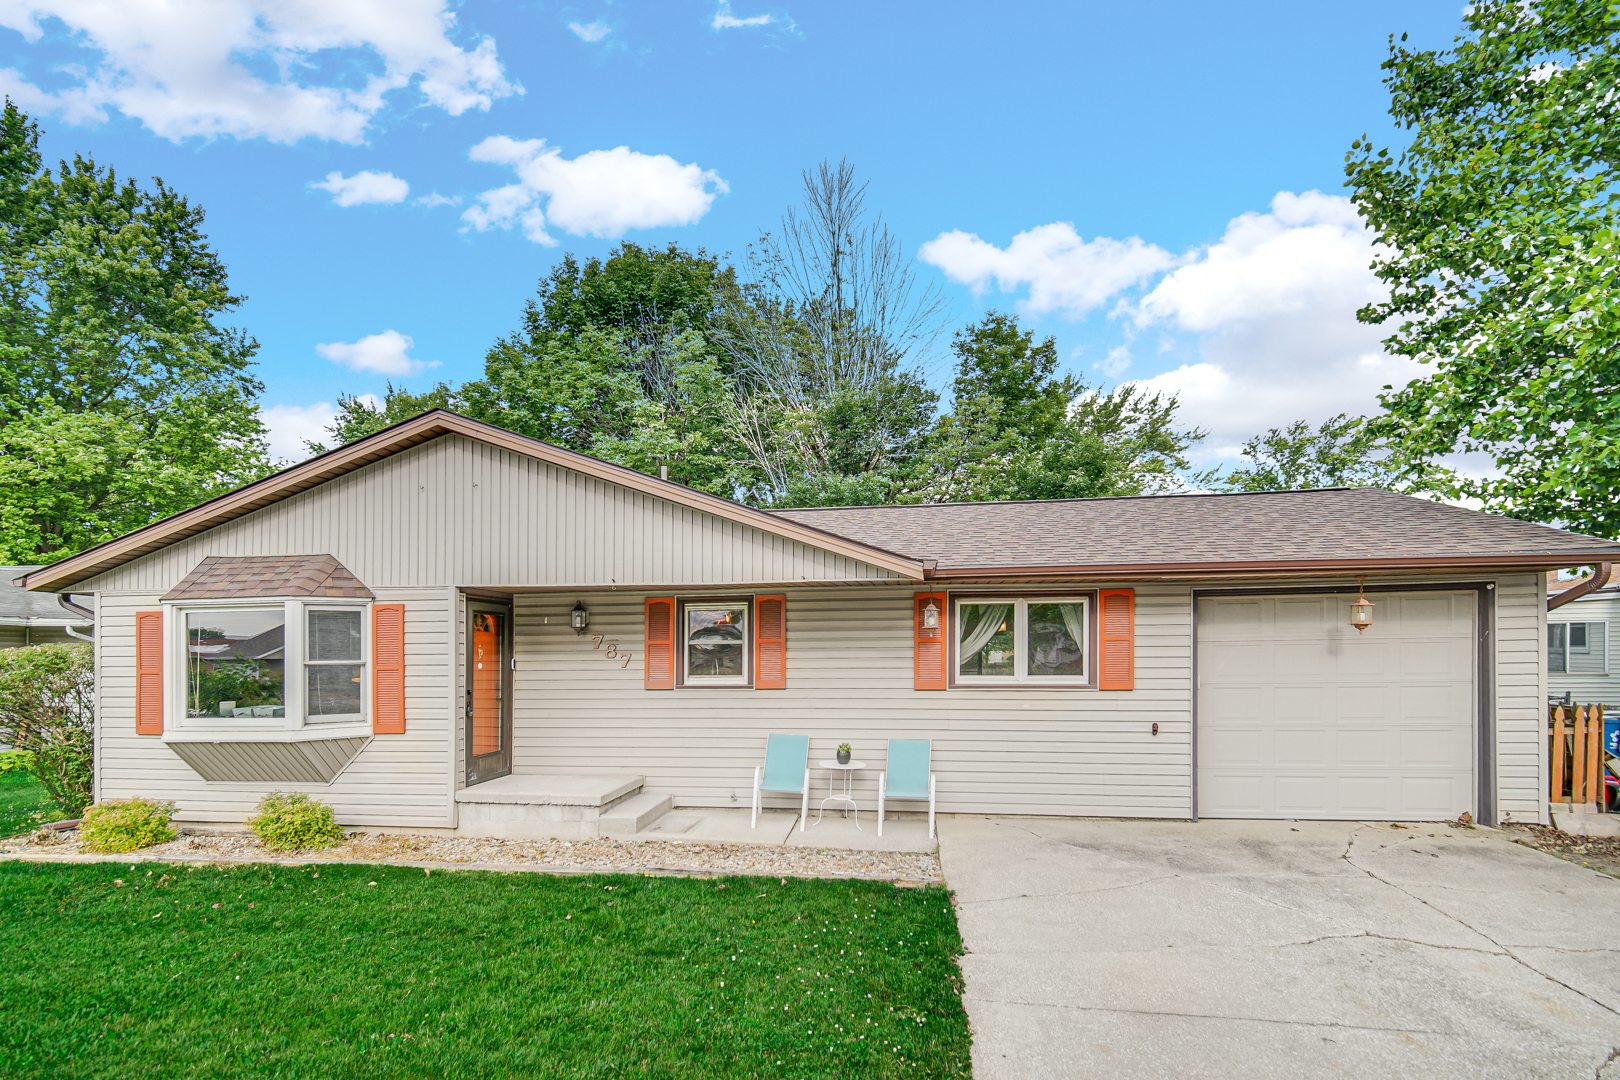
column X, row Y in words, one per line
column 260, row 971
column 24, row 804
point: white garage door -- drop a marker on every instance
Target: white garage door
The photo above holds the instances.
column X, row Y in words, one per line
column 1299, row 716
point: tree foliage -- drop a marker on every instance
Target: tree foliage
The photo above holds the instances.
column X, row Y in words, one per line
column 1344, row 451
column 47, row 708
column 121, row 398
column 1503, row 257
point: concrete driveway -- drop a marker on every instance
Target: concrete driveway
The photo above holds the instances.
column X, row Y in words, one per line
column 1125, row 949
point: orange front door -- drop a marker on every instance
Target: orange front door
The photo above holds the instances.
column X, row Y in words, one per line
column 489, row 715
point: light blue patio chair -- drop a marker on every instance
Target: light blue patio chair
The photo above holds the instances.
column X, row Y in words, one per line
column 787, row 768
column 907, row 776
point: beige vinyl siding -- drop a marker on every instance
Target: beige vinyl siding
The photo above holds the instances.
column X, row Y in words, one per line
column 849, row 665
column 395, row 780
column 1591, row 689
column 1521, row 697
column 456, row 511
column 14, row 637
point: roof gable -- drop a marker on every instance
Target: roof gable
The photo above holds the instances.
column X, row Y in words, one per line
column 411, row 433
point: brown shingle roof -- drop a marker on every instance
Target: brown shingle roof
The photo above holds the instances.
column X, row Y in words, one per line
column 1337, row 527
column 221, row 577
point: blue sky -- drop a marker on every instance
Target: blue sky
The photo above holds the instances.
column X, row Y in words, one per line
column 1160, row 187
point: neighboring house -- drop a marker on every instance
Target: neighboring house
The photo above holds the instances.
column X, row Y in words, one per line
column 1583, row 658
column 446, row 625
column 32, row 618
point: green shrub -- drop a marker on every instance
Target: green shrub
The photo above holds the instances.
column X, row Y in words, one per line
column 47, row 708
column 287, row 821
column 16, row 761
column 126, row 824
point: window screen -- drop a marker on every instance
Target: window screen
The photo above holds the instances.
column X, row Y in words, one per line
column 334, row 667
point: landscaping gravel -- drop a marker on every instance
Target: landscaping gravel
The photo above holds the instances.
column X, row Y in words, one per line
column 599, row 855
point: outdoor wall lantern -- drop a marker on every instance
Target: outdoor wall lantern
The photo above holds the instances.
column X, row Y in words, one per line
column 930, row 614
column 1361, row 609
column 579, row 618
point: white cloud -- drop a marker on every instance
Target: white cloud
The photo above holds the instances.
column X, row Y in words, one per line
column 725, row 20
column 601, row 193
column 1064, row 273
column 277, row 69
column 383, row 354
column 290, row 426
column 593, row 31
column 363, row 187
column 1273, row 307
column 1114, row 364
column 435, row 199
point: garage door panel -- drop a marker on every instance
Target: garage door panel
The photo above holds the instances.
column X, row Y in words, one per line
column 1300, row 716
column 1301, row 747
column 1237, row 747
column 1361, row 747
column 1301, row 796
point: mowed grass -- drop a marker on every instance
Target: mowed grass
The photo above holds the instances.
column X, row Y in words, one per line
column 24, row 804
column 119, row 970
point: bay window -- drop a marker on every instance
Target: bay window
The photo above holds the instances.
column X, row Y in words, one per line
column 1011, row 641
column 273, row 666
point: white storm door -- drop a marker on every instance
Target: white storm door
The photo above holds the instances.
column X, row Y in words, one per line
column 1301, row 716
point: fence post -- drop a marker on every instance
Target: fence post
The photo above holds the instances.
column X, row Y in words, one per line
column 1557, row 754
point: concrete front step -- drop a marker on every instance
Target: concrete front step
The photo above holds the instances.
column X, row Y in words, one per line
column 635, row 813
column 540, row 806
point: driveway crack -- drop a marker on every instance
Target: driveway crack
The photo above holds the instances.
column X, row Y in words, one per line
column 1506, row 951
column 1390, row 937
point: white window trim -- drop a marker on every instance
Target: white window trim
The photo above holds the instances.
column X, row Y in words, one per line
column 698, row 682
column 1586, row 650
column 1021, row 677
column 178, row 727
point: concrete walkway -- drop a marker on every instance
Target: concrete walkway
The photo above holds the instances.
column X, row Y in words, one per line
column 1116, row 949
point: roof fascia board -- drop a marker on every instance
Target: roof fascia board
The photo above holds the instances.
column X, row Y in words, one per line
column 1511, row 562
column 403, row 436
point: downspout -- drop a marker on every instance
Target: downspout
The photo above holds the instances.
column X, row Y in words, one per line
column 1599, row 578
column 84, row 613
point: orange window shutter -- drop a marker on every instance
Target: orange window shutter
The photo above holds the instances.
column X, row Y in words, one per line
column 770, row 642
column 660, row 643
column 930, row 641
column 149, row 673
column 388, row 669
column 1118, row 639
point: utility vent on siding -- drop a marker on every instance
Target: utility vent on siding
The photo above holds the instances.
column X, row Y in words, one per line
column 314, row 762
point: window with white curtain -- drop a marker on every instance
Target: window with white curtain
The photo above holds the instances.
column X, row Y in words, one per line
column 1003, row 641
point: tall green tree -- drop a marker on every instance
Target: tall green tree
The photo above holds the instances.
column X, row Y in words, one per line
column 122, row 399
column 1020, row 430
column 1344, row 451
column 1500, row 247
column 359, row 416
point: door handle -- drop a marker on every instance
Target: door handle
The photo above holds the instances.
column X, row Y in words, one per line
column 469, row 703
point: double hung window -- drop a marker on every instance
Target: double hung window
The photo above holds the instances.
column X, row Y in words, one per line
column 1036, row 641
column 274, row 665
column 715, row 643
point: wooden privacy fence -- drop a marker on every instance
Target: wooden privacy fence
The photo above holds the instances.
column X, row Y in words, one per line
column 1577, row 754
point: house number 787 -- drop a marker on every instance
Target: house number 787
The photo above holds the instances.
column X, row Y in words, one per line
column 613, row 652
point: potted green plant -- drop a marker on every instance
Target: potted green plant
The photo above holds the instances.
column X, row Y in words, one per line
column 843, row 753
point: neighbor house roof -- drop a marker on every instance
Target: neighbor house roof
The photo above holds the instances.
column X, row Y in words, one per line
column 403, row 436
column 1329, row 529
column 221, row 577
column 21, row 608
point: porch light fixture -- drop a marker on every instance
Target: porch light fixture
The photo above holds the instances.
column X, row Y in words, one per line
column 930, row 616
column 1361, row 615
column 579, row 618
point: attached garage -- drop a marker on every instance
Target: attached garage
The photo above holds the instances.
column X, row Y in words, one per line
column 1299, row 715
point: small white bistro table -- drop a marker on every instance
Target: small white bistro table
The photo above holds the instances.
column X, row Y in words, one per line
column 846, row 796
